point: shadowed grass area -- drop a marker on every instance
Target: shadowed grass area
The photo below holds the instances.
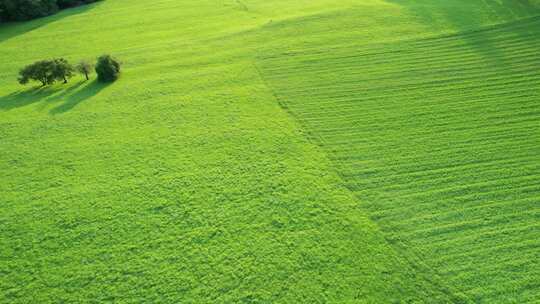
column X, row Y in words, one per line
column 457, row 16
column 70, row 95
column 27, row 97
column 73, row 96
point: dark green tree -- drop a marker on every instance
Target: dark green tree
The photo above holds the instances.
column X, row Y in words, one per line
column 107, row 68
column 41, row 71
column 47, row 71
column 20, row 10
column 62, row 69
column 72, row 3
column 85, row 68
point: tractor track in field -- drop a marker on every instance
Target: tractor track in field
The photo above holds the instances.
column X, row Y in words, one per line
column 439, row 139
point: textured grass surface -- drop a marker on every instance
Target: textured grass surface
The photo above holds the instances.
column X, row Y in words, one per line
column 439, row 138
column 193, row 179
column 182, row 182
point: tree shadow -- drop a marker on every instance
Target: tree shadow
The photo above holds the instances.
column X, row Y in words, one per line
column 72, row 96
column 462, row 17
column 24, row 98
column 90, row 89
column 9, row 30
column 465, row 21
column 66, row 92
column 60, row 94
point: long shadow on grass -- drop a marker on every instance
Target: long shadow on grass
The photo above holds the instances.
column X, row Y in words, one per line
column 12, row 29
column 71, row 96
column 72, row 100
column 439, row 15
column 27, row 97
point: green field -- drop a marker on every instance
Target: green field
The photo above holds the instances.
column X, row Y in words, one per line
column 372, row 151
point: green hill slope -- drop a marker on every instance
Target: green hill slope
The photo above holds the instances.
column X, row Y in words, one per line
column 438, row 137
column 274, row 152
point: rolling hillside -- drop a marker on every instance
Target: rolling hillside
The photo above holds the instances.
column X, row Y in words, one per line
column 438, row 137
column 275, row 152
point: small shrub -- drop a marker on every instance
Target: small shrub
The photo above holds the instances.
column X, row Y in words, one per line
column 107, row 68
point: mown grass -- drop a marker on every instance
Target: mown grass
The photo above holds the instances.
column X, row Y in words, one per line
column 438, row 137
column 193, row 179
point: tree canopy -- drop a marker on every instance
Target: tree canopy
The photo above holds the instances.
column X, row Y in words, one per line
column 85, row 68
column 107, row 68
column 20, row 10
column 46, row 71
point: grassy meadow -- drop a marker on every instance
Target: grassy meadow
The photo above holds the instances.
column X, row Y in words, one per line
column 374, row 151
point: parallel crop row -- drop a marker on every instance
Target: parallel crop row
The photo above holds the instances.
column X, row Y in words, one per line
column 440, row 140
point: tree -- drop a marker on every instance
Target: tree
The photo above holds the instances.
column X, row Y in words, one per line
column 20, row 10
column 46, row 71
column 107, row 68
column 85, row 68
column 41, row 71
column 62, row 69
column 72, row 3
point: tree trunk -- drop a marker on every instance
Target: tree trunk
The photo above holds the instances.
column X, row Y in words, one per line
column 86, row 74
column 65, row 80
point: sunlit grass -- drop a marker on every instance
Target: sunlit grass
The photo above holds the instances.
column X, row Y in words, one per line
column 274, row 152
